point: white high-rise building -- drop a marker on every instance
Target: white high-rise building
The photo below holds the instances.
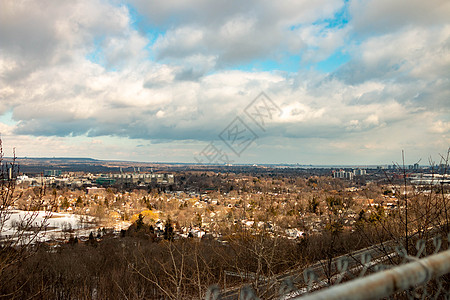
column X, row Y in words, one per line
column 359, row 172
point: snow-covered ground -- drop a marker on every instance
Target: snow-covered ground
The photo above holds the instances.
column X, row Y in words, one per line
column 57, row 225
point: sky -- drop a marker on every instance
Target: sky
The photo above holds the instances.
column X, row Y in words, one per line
column 225, row 81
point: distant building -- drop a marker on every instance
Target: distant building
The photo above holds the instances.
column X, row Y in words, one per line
column 25, row 180
column 105, row 180
column 143, row 178
column 343, row 174
column 359, row 172
column 348, row 175
column 52, row 173
column 94, row 190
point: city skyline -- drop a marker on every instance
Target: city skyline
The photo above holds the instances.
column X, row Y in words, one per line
column 329, row 82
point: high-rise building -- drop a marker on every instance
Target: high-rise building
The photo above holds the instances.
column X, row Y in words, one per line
column 343, row 174
column 52, row 173
column 359, row 172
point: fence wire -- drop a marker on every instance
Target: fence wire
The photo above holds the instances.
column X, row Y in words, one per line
column 415, row 277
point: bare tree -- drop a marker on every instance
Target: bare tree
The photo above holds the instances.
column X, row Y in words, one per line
column 19, row 230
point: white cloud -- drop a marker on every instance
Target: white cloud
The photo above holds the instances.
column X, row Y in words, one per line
column 87, row 73
column 321, row 42
column 237, row 33
column 440, row 127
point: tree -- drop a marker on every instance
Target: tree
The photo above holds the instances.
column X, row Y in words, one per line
column 92, row 241
column 65, row 203
column 337, row 209
column 313, row 205
column 168, row 230
column 140, row 222
column 420, row 212
column 15, row 241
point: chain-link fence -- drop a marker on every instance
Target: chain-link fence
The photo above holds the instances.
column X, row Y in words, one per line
column 394, row 274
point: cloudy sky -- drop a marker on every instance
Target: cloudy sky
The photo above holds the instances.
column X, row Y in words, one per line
column 347, row 82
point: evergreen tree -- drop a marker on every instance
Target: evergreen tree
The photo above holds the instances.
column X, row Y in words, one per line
column 140, row 222
column 168, row 231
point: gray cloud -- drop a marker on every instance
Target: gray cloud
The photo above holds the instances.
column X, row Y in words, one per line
column 395, row 82
column 235, row 33
column 383, row 16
